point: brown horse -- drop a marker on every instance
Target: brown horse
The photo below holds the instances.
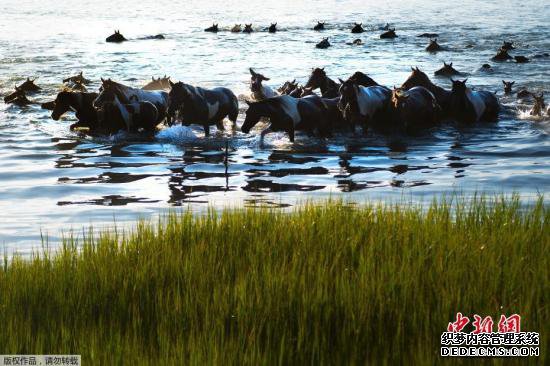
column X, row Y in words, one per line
column 418, row 78
column 539, row 106
column 414, row 109
column 319, row 79
column 508, row 86
column 447, row 70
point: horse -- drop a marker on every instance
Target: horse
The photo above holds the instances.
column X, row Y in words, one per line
column 428, row 35
column 502, row 55
column 389, row 34
column 76, row 86
column 79, row 78
column 201, row 106
column 214, row 28
column 319, row 26
column 80, row 103
column 48, row 105
column 29, row 86
column 385, row 27
column 524, row 94
column 335, row 117
column 414, row 109
column 248, row 28
column 468, row 106
column 447, row 70
column 157, row 97
column 357, row 28
column 507, row 46
column 300, row 92
column 539, row 106
column 418, row 78
column 18, row 97
column 161, row 83
column 486, row 68
column 434, row 46
column 128, row 115
column 319, row 79
column 521, row 59
column 116, row 37
column 236, row 28
column 287, row 87
column 323, row 44
column 356, row 42
column 366, row 106
column 508, row 86
column 362, row 79
column 272, row 28
column 288, row 114
column 260, row 91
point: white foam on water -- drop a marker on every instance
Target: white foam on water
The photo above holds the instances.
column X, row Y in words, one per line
column 176, row 134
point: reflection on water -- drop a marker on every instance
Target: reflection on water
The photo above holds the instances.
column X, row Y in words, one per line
column 53, row 180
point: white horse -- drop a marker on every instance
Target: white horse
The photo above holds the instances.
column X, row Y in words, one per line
column 260, row 91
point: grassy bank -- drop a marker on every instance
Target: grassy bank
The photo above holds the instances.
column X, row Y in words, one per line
column 329, row 283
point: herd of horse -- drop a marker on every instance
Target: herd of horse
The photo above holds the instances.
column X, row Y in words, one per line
column 343, row 105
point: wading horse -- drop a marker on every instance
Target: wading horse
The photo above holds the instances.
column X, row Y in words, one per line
column 120, row 114
column 159, row 98
column 80, row 103
column 366, row 106
column 362, row 79
column 414, row 109
column 419, row 78
column 79, row 78
column 205, row 107
column 539, row 106
column 288, row 114
column 319, row 79
column 18, row 97
column 447, row 70
column 162, row 83
column 468, row 106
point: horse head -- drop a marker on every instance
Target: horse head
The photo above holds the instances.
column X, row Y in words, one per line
column 255, row 111
column 319, row 26
column 539, row 106
column 273, row 28
column 248, row 28
column 348, row 94
column 177, row 97
column 459, row 87
column 19, row 92
column 507, row 45
column 508, row 86
column 317, row 78
column 417, row 78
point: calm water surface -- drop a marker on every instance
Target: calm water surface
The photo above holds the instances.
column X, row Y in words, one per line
column 53, row 180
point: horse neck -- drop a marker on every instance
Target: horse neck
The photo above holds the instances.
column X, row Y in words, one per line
column 75, row 101
column 328, row 84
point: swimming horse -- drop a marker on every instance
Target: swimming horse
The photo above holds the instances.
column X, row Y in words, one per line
column 366, row 106
column 27, row 86
column 78, row 102
column 260, row 91
column 162, row 83
column 18, row 97
column 288, row 114
column 159, row 98
column 539, row 106
column 206, row 107
column 319, row 79
column 79, row 78
column 468, row 106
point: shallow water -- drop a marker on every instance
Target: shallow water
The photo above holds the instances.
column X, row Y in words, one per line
column 53, row 180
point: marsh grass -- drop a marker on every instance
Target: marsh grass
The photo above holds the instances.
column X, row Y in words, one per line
column 329, row 283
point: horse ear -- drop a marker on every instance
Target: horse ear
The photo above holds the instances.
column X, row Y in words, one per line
column 464, row 81
column 80, row 73
column 341, row 81
column 171, row 83
column 512, row 83
column 102, row 80
column 451, row 64
column 322, row 68
column 251, row 71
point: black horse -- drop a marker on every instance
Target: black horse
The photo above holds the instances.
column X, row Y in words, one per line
column 502, row 55
column 357, row 28
column 447, row 70
column 508, row 86
column 201, row 106
column 434, row 46
column 272, row 28
column 80, row 103
column 319, row 79
column 389, row 34
column 414, row 109
column 323, row 44
column 131, row 116
column 360, row 78
column 288, row 114
column 468, row 106
column 419, row 78
column 214, row 28
column 319, row 26
column 116, row 37
column 18, row 97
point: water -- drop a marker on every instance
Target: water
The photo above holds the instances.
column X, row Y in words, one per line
column 53, row 180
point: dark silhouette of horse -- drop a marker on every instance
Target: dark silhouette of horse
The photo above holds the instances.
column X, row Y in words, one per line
column 389, row 34
column 323, row 44
column 288, row 114
column 75, row 86
column 272, row 28
column 434, row 46
column 508, row 46
column 205, row 107
column 508, row 86
column 126, row 115
column 248, row 28
column 320, row 26
column 357, row 28
column 356, row 42
column 288, row 87
column 319, row 79
column 79, row 78
column 428, row 35
column 236, row 28
column 539, row 106
column 447, row 70
column 80, row 103
column 468, row 106
column 214, row 28
column 414, row 109
column 116, row 37
column 366, row 106
column 419, row 78
column 18, row 97
column 360, row 78
column 524, row 94
column 502, row 55
column 259, row 90
column 48, row 105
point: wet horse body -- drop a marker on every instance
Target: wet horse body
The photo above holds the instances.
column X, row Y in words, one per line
column 205, row 107
column 260, row 91
column 128, row 115
column 414, row 109
column 468, row 106
column 419, row 78
column 288, row 114
column 79, row 102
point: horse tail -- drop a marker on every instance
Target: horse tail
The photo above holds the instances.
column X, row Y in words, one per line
column 234, row 113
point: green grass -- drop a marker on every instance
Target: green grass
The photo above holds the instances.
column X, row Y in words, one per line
column 330, row 283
